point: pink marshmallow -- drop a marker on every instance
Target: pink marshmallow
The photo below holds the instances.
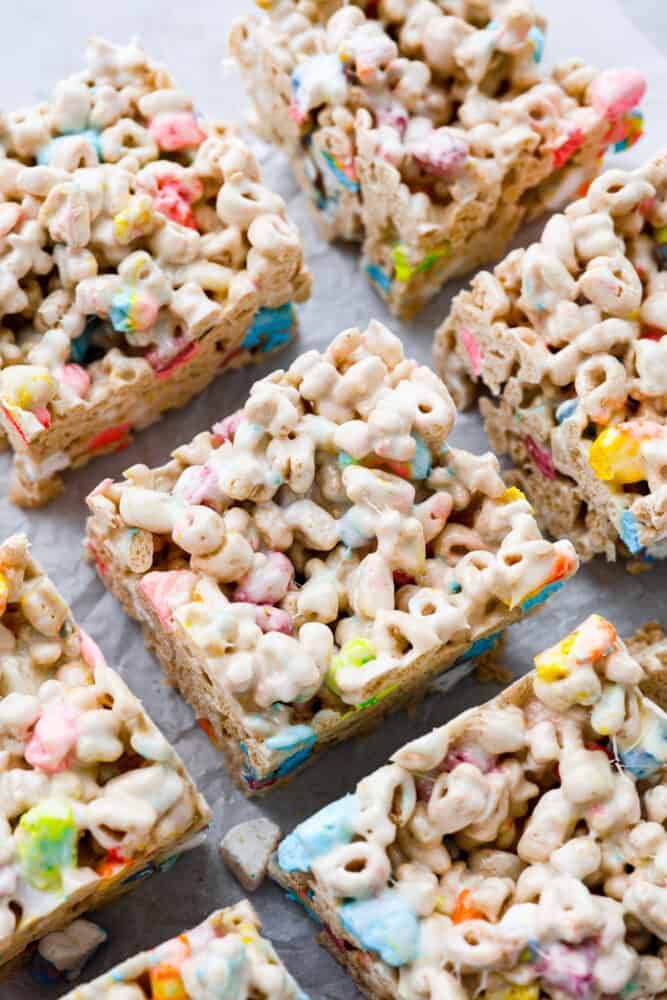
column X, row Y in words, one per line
column 394, row 115
column 174, row 200
column 540, row 457
column 174, row 130
column 175, row 208
column 473, row 350
column 470, row 754
column 225, row 429
column 90, row 651
column 53, row 738
column 43, row 415
column 568, row 967
column 272, row 619
column 199, row 484
column 165, row 591
column 297, row 114
column 615, row 92
column 76, row 377
column 268, row 581
column 440, row 153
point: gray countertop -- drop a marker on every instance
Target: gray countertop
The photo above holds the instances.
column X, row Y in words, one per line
column 43, row 42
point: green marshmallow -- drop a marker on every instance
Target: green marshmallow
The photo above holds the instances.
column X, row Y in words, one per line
column 46, row 842
column 354, row 653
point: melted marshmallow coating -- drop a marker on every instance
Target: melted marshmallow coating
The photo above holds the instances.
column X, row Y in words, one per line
column 519, row 848
column 129, row 228
column 88, row 785
column 224, row 958
column 325, row 539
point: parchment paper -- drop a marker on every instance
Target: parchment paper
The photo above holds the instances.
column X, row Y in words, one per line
column 43, row 42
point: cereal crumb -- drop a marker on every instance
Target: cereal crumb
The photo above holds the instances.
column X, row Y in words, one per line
column 247, row 848
column 69, row 950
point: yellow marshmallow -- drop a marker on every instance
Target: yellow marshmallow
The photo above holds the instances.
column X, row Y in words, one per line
column 4, row 593
column 28, row 387
column 551, row 671
column 615, row 457
column 511, row 494
column 551, row 665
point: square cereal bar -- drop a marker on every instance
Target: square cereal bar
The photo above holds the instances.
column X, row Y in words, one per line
column 224, row 957
column 139, row 256
column 514, row 852
column 321, row 555
column 568, row 335
column 427, row 130
column 92, row 797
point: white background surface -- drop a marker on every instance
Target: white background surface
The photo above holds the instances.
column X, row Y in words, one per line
column 43, row 42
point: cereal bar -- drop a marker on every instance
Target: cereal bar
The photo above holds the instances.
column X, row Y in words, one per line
column 140, row 255
column 425, row 130
column 321, row 555
column 568, row 334
column 224, row 958
column 92, row 796
column 513, row 853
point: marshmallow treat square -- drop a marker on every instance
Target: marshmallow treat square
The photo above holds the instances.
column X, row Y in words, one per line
column 140, row 256
column 316, row 559
column 93, row 796
column 517, row 850
column 426, row 131
column 568, row 336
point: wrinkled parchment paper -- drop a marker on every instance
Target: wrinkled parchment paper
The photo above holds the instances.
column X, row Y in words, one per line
column 43, row 42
